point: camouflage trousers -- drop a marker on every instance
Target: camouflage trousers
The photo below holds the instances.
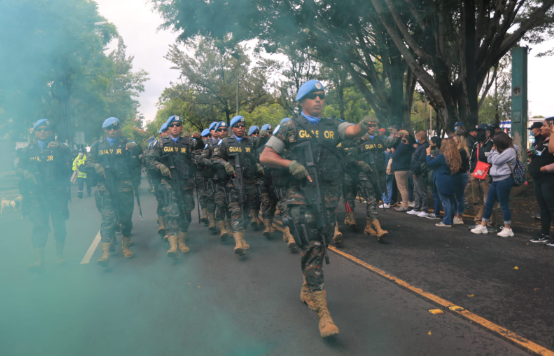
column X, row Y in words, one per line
column 159, row 197
column 312, row 253
column 220, row 199
column 177, row 213
column 115, row 211
column 205, row 194
column 40, row 211
column 268, row 200
column 350, row 190
column 372, row 207
column 239, row 214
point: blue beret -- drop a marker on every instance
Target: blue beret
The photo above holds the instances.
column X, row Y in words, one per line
column 459, row 123
column 483, row 127
column 252, row 129
column 42, row 122
column 236, row 120
column 163, row 128
column 174, row 118
column 205, row 133
column 220, row 124
column 267, row 127
column 308, row 87
column 213, row 125
column 284, row 120
column 110, row 121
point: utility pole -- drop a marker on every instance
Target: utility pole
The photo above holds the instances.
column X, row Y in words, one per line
column 519, row 100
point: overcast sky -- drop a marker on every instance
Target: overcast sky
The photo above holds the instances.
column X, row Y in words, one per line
column 138, row 26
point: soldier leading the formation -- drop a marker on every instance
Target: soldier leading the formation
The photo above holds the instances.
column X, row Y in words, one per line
column 313, row 194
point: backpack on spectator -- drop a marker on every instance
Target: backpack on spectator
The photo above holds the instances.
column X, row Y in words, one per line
column 519, row 172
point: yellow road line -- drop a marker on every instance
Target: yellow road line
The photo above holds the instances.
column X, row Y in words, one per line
column 503, row 332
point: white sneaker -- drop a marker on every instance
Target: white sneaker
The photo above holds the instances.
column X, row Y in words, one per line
column 413, row 212
column 458, row 221
column 384, row 206
column 505, row 233
column 422, row 214
column 411, row 204
column 480, row 229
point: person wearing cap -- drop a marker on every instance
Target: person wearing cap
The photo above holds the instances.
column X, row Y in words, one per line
column 225, row 156
column 480, row 187
column 81, row 176
column 472, row 134
column 401, row 161
column 203, row 175
column 494, row 128
column 382, row 133
column 115, row 162
column 535, row 129
column 172, row 157
column 323, row 135
column 458, row 126
column 44, row 169
column 253, row 131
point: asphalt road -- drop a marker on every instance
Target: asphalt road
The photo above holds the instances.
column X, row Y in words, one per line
column 211, row 302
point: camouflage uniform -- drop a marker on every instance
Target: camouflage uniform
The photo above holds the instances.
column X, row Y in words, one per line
column 155, row 180
column 349, row 178
column 205, row 174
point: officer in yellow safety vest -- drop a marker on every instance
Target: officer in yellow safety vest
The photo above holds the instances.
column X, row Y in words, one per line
column 80, row 176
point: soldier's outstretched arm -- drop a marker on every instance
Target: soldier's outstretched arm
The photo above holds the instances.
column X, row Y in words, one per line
column 219, row 157
column 153, row 156
column 356, row 130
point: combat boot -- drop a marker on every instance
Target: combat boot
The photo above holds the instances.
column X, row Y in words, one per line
column 59, row 254
column 222, row 229
column 204, row 215
column 38, row 254
column 305, row 296
column 161, row 226
column 253, row 219
column 368, row 229
column 287, row 237
column 181, row 241
column 267, row 225
column 351, row 220
column 245, row 245
column 380, row 232
column 172, row 252
column 125, row 243
column 211, row 219
column 337, row 237
column 239, row 250
column 104, row 260
column 326, row 325
column 228, row 227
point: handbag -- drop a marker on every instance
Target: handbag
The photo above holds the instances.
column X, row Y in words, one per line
column 481, row 170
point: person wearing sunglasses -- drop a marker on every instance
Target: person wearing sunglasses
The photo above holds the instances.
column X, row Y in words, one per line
column 115, row 163
column 268, row 129
column 173, row 159
column 253, row 131
column 44, row 168
column 323, row 135
column 237, row 151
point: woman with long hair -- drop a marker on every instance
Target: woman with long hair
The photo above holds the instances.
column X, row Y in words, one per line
column 461, row 142
column 445, row 168
column 503, row 159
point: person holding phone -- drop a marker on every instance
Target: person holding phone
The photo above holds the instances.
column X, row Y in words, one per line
column 401, row 159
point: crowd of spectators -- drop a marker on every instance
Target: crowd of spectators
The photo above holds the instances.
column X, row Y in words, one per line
column 474, row 166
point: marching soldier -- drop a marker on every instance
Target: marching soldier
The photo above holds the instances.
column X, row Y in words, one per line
column 312, row 197
column 172, row 157
column 156, row 179
column 44, row 171
column 203, row 176
column 115, row 161
column 268, row 199
column 236, row 155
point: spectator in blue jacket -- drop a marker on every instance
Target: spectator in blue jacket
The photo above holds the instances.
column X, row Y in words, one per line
column 445, row 168
column 421, row 202
column 401, row 159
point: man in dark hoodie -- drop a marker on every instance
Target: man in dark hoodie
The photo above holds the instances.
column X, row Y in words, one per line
column 420, row 185
column 401, row 159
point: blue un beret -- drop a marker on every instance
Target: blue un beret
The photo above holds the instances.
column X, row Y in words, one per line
column 308, row 87
column 236, row 120
column 42, row 122
column 252, row 129
column 267, row 127
column 220, row 124
column 174, row 118
column 213, row 125
column 110, row 121
column 163, row 128
column 205, row 133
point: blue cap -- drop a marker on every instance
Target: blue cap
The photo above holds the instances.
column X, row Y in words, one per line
column 163, row 128
column 213, row 125
column 308, row 87
column 110, row 121
column 42, row 122
column 284, row 120
column 483, row 127
column 205, row 133
column 236, row 120
column 220, row 124
column 252, row 129
column 174, row 118
column 267, row 127
column 459, row 123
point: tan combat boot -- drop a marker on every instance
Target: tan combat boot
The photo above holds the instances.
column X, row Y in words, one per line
column 267, row 230
column 181, row 242
column 253, row 219
column 204, row 217
column 326, row 325
column 104, row 260
column 222, row 230
column 172, row 252
column 337, row 237
column 287, row 237
column 59, row 254
column 245, row 245
column 305, row 296
column 239, row 250
column 368, row 229
column 125, row 241
column 161, row 226
column 211, row 219
column 38, row 254
column 380, row 232
column 351, row 220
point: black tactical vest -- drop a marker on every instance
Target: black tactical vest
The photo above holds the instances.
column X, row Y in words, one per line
column 323, row 138
column 179, row 153
column 245, row 150
column 371, row 151
column 49, row 166
column 117, row 158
